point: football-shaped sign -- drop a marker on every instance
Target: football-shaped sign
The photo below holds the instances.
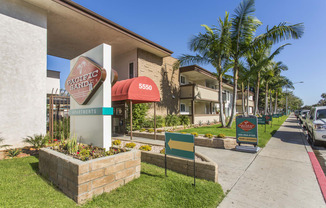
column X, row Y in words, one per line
column 84, row 79
column 246, row 125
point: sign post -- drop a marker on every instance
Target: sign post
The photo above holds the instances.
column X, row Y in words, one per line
column 247, row 133
column 180, row 145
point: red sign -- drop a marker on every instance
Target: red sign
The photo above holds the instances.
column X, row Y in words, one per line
column 84, row 79
column 246, row 125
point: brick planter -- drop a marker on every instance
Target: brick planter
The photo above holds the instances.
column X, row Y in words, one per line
column 207, row 170
column 225, row 143
column 82, row 180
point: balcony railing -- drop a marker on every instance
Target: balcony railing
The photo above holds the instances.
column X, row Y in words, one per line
column 198, row 92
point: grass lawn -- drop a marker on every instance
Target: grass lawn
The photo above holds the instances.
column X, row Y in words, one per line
column 21, row 186
column 263, row 137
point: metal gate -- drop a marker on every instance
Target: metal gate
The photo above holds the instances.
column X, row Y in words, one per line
column 58, row 118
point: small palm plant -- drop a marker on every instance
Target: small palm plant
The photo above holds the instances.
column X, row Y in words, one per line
column 37, row 141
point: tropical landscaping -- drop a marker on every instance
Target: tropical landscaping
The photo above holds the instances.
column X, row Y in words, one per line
column 233, row 45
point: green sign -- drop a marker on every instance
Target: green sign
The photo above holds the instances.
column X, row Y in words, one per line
column 261, row 120
column 268, row 118
column 180, row 145
column 247, row 130
column 91, row 111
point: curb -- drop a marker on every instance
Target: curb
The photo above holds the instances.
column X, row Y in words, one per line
column 321, row 178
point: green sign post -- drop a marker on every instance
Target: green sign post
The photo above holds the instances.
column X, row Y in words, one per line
column 247, row 130
column 262, row 120
column 180, row 145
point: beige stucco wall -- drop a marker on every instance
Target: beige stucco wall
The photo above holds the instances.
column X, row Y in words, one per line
column 22, row 70
column 121, row 64
column 161, row 71
column 52, row 85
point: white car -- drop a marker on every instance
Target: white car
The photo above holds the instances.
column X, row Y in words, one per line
column 316, row 124
column 303, row 116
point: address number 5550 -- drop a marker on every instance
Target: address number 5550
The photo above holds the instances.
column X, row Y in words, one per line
column 145, row 86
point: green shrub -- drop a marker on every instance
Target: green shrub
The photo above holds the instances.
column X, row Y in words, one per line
column 160, row 121
column 194, row 133
column 72, row 145
column 215, row 121
column 162, row 151
column 159, row 130
column 220, row 136
column 150, row 130
column 84, row 154
column 172, row 120
column 38, row 141
column 145, row 147
column 209, row 135
column 116, row 142
column 142, row 130
column 130, row 145
column 14, row 152
column 148, row 123
column 184, row 120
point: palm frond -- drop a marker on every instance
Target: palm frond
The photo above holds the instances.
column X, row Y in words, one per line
column 281, row 32
column 193, row 59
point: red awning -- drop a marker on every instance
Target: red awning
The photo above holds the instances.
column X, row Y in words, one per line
column 138, row 89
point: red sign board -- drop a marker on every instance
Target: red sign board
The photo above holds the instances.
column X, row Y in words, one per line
column 84, row 79
column 246, row 125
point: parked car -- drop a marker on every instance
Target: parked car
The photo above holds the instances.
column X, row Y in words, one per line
column 297, row 113
column 316, row 124
column 303, row 116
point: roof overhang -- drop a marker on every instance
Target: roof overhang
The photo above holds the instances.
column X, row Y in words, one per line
column 73, row 30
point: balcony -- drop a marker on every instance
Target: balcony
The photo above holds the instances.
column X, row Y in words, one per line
column 198, row 92
column 251, row 102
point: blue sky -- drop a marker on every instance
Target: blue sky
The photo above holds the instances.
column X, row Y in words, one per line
column 172, row 24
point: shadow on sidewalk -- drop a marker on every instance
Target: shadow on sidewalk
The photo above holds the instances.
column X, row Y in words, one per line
column 289, row 136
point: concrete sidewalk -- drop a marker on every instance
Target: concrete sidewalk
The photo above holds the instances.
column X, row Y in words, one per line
column 280, row 176
column 231, row 164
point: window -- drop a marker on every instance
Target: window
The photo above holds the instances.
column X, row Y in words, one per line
column 182, row 107
column 131, row 70
column 250, row 97
column 182, row 80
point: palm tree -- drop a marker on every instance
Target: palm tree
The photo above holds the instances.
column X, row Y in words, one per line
column 278, row 84
column 242, row 35
column 242, row 32
column 212, row 47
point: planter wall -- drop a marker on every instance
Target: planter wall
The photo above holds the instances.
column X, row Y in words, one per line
column 204, row 170
column 225, row 143
column 82, row 180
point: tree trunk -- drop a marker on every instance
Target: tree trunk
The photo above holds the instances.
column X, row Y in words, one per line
column 220, row 98
column 266, row 98
column 275, row 106
column 243, row 98
column 257, row 93
column 270, row 102
column 234, row 100
column 248, row 98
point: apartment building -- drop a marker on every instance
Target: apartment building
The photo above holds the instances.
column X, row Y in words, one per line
column 250, row 104
column 199, row 95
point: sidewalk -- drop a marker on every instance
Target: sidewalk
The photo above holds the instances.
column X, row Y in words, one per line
column 231, row 164
column 280, row 176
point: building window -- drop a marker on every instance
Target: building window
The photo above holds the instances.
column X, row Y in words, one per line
column 131, row 70
column 182, row 107
column 250, row 97
column 182, row 80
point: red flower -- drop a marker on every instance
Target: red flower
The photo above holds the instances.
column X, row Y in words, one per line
column 56, row 140
column 77, row 153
